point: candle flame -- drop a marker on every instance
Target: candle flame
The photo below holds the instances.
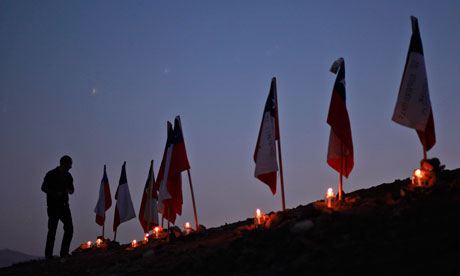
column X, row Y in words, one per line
column 156, row 229
column 134, row 243
column 258, row 212
column 99, row 242
column 88, row 244
column 330, row 192
column 187, row 225
column 418, row 173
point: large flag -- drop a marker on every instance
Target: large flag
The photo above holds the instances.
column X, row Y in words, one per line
column 265, row 152
column 124, row 209
column 413, row 107
column 179, row 163
column 163, row 174
column 148, row 215
column 340, row 150
column 105, row 201
column 169, row 181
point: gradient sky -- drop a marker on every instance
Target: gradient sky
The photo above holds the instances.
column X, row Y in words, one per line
column 98, row 80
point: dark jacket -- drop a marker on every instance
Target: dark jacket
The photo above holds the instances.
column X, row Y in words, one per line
column 57, row 185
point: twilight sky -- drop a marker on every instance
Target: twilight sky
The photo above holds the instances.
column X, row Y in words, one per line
column 98, row 80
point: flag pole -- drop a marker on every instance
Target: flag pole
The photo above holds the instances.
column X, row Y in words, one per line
column 169, row 216
column 279, row 153
column 341, row 171
column 149, row 204
column 193, row 198
column 103, row 230
column 115, row 236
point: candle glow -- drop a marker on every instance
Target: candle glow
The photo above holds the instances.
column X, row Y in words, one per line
column 98, row 242
column 88, row 244
column 329, row 197
column 258, row 218
column 157, row 230
column 134, row 243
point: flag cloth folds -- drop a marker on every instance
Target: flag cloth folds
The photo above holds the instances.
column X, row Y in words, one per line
column 265, row 152
column 105, row 200
column 162, row 178
column 148, row 215
column 413, row 107
column 124, row 209
column 169, row 182
column 340, row 150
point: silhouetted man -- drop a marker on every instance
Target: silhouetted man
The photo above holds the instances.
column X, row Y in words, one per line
column 58, row 184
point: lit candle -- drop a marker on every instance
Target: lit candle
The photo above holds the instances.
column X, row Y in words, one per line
column 329, row 197
column 88, row 244
column 157, row 230
column 417, row 177
column 187, row 228
column 133, row 243
column 146, row 237
column 98, row 243
column 258, row 218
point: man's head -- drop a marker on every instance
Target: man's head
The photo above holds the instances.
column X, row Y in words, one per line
column 66, row 162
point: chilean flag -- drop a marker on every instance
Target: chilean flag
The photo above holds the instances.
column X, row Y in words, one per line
column 413, row 107
column 124, row 209
column 162, row 178
column 179, row 163
column 105, row 201
column 265, row 152
column 148, row 215
column 340, row 150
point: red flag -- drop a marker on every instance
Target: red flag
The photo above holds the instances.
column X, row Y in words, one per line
column 105, row 201
column 413, row 107
column 148, row 215
column 265, row 152
column 178, row 164
column 340, row 141
column 161, row 184
column 124, row 209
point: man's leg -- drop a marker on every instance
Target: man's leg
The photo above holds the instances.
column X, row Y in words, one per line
column 66, row 218
column 53, row 219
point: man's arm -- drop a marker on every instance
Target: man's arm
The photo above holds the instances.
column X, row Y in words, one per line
column 70, row 189
column 46, row 183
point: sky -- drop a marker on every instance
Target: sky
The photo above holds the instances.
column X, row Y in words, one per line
column 98, row 80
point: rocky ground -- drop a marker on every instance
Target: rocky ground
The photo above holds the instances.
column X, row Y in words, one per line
column 390, row 229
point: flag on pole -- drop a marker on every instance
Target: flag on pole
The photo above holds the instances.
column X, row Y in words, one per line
column 124, row 209
column 340, row 148
column 265, row 152
column 178, row 164
column 148, row 215
column 162, row 178
column 105, row 201
column 413, row 107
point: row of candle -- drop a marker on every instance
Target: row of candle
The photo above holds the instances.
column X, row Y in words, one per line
column 258, row 216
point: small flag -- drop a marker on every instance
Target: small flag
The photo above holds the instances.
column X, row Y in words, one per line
column 105, row 201
column 265, row 152
column 340, row 150
column 148, row 215
column 124, row 209
column 413, row 107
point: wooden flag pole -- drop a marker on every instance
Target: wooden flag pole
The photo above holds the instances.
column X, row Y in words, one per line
column 279, row 152
column 115, row 236
column 193, row 198
column 341, row 171
column 281, row 176
column 169, row 216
